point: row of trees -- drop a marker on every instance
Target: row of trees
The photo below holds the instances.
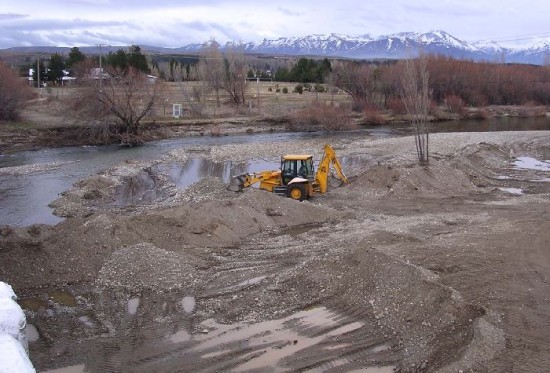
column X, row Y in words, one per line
column 474, row 83
column 76, row 64
column 305, row 71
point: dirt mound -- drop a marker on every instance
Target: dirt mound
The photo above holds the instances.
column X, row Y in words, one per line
column 439, row 180
column 145, row 266
column 208, row 188
column 226, row 222
column 377, row 180
column 430, row 323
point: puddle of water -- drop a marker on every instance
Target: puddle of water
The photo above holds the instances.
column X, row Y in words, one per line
column 138, row 189
column 70, row 369
column 86, row 321
column 32, row 333
column 344, row 361
column 337, row 347
column 63, row 298
column 380, row 348
column 33, row 304
column 188, row 304
column 532, row 164
column 250, row 282
column 276, row 339
column 516, row 191
column 384, row 369
column 215, row 354
column 132, row 306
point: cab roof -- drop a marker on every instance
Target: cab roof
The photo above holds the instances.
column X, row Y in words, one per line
column 297, row 157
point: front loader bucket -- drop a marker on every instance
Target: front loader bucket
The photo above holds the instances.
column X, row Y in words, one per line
column 236, row 184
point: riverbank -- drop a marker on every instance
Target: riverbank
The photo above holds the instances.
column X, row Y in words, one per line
column 33, row 136
column 46, row 127
column 438, row 268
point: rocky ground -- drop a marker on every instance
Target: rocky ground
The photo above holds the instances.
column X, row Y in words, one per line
column 412, row 268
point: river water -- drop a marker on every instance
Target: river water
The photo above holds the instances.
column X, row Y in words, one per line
column 24, row 198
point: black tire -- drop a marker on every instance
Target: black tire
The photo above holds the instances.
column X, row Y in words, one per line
column 296, row 191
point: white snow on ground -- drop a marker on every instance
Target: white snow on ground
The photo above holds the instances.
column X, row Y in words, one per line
column 13, row 337
column 532, row 164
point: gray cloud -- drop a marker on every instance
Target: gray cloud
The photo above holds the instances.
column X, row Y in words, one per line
column 11, row 16
column 118, row 21
column 57, row 24
column 439, row 9
column 290, row 13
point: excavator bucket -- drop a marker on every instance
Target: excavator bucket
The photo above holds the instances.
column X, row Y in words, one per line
column 237, row 183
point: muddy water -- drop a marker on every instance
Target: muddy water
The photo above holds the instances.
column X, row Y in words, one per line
column 159, row 337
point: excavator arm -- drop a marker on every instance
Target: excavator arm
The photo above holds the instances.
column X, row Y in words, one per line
column 321, row 177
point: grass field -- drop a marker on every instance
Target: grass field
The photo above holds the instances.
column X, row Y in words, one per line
column 261, row 99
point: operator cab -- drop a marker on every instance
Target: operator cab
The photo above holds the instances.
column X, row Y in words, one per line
column 297, row 166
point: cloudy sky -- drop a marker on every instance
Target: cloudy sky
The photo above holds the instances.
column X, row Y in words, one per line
column 177, row 23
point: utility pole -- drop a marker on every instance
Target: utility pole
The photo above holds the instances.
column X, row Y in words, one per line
column 258, row 91
column 38, row 72
column 100, row 67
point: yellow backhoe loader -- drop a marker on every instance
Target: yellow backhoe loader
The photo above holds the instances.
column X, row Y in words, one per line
column 296, row 178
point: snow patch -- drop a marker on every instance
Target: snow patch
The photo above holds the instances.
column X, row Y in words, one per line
column 13, row 334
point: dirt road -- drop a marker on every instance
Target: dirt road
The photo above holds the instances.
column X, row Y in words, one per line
column 438, row 268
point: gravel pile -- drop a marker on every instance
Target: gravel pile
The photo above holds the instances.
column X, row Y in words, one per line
column 144, row 266
column 208, row 188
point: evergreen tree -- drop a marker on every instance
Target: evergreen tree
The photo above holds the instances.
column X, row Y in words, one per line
column 55, row 68
column 118, row 61
column 75, row 57
column 121, row 60
column 137, row 60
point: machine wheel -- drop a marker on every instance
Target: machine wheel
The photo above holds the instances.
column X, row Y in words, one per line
column 296, row 191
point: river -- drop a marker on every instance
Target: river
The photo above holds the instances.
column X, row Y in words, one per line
column 24, row 198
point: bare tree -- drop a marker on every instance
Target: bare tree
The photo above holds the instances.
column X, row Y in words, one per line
column 234, row 81
column 124, row 101
column 416, row 97
column 211, row 68
column 357, row 79
column 14, row 93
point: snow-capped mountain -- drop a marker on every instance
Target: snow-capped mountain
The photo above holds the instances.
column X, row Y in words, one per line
column 401, row 45
column 310, row 45
column 396, row 46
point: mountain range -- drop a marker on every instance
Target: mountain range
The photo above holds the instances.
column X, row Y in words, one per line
column 396, row 46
